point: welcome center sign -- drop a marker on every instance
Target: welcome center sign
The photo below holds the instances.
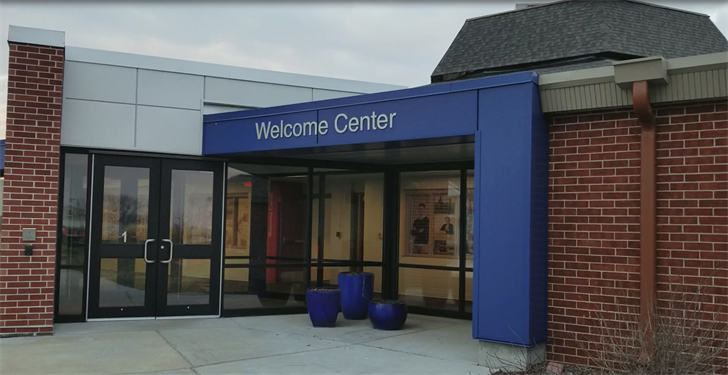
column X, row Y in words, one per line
column 341, row 124
column 431, row 116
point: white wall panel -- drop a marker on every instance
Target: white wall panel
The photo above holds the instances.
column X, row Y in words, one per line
column 327, row 94
column 177, row 131
column 99, row 82
column 97, row 124
column 253, row 94
column 170, row 89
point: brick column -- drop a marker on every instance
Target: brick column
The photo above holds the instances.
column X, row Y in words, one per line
column 33, row 141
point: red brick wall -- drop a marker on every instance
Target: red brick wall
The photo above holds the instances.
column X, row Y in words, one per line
column 30, row 197
column 594, row 218
column 593, row 226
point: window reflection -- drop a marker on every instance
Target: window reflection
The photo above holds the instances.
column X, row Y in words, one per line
column 73, row 218
column 191, row 207
column 265, row 224
column 73, row 246
column 125, row 205
column 353, row 214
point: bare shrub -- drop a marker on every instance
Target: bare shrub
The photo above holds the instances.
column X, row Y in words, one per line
column 687, row 335
column 682, row 338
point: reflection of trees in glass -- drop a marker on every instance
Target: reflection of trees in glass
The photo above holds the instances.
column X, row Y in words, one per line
column 122, row 214
column 73, row 235
column 194, row 223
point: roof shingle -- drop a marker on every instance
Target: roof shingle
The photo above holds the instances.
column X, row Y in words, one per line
column 620, row 29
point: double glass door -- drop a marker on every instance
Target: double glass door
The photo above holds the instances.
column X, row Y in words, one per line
column 155, row 237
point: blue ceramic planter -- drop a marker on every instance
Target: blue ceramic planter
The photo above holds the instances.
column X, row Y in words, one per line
column 356, row 292
column 323, row 306
column 388, row 315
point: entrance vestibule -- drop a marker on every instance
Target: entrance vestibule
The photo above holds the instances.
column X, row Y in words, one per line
column 442, row 207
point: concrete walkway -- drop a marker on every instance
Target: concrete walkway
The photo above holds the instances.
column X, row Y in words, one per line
column 284, row 344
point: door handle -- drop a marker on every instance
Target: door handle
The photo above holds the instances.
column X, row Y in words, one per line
column 145, row 251
column 171, row 251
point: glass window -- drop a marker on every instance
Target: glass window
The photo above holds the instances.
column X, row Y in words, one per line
column 191, row 207
column 122, row 282
column 430, row 218
column 72, row 249
column 264, row 287
column 125, row 205
column 188, row 282
column 265, row 217
column 352, row 228
column 469, row 292
column 70, row 291
column 265, row 224
column 330, row 277
column 73, row 218
column 434, row 289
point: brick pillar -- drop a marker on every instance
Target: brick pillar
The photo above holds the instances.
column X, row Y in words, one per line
column 33, row 141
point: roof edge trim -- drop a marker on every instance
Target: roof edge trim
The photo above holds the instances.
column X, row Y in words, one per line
column 38, row 37
column 606, row 74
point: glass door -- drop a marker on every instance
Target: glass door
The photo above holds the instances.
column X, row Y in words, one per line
column 155, row 237
column 124, row 232
column 190, row 238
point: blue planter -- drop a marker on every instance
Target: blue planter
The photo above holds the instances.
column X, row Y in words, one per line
column 356, row 292
column 388, row 315
column 323, row 306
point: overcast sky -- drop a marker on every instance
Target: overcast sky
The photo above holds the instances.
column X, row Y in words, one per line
column 390, row 43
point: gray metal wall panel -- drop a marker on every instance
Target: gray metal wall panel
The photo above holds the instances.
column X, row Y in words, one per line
column 170, row 130
column 99, row 82
column 327, row 94
column 254, row 94
column 97, row 124
column 221, row 71
column 175, row 90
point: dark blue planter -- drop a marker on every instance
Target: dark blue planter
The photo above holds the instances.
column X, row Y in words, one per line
column 356, row 292
column 323, row 306
column 388, row 315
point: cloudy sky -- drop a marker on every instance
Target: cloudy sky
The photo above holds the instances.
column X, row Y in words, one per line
column 398, row 43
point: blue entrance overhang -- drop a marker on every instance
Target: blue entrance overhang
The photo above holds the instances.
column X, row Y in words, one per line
column 501, row 115
column 437, row 111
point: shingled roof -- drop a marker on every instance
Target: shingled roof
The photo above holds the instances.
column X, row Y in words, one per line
column 575, row 34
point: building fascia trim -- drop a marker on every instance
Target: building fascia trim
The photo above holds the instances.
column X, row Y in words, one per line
column 690, row 78
column 39, row 37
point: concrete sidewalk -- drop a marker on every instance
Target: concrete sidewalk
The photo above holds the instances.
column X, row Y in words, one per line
column 284, row 344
